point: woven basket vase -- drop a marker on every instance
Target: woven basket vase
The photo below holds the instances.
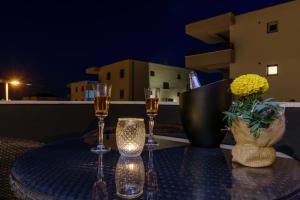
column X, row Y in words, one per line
column 256, row 152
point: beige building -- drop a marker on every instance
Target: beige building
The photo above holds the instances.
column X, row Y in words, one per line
column 129, row 78
column 81, row 90
column 264, row 42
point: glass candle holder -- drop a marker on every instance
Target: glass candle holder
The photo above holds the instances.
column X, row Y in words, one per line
column 130, row 136
column 130, row 177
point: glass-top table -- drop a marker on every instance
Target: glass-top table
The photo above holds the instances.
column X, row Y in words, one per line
column 68, row 170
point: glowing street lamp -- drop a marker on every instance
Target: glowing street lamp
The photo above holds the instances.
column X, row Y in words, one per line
column 13, row 83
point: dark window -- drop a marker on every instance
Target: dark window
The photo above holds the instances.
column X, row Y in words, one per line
column 152, row 73
column 121, row 94
column 178, row 76
column 108, row 76
column 272, row 27
column 170, row 99
column 178, row 94
column 82, row 88
column 122, row 73
column 76, row 90
column 166, row 85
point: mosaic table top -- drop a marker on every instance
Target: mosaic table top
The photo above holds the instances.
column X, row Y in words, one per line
column 68, row 170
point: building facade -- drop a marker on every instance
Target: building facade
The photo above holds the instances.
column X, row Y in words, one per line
column 129, row 78
column 263, row 42
column 81, row 90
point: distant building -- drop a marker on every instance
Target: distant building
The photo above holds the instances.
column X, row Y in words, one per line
column 129, row 78
column 81, row 90
column 264, row 41
column 42, row 96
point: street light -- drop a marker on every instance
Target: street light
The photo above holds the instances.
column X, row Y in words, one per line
column 13, row 83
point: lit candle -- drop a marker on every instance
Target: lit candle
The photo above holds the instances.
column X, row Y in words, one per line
column 131, row 147
column 130, row 136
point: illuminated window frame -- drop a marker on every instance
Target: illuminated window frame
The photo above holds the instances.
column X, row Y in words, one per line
column 272, row 70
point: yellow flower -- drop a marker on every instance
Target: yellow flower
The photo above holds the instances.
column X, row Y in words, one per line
column 249, row 84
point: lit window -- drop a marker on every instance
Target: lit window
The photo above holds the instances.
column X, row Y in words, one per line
column 272, row 27
column 122, row 73
column 272, row 70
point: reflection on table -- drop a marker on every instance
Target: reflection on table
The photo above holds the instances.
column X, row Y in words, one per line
column 100, row 186
column 68, row 170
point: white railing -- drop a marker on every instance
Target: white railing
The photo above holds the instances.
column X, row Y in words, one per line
column 18, row 102
column 284, row 104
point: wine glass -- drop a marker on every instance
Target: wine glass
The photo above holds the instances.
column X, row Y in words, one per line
column 151, row 97
column 102, row 94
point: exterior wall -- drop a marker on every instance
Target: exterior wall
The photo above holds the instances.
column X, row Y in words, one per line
column 211, row 60
column 115, row 80
column 164, row 73
column 140, row 79
column 255, row 49
column 50, row 121
column 137, row 77
column 84, row 91
column 79, row 93
column 209, row 30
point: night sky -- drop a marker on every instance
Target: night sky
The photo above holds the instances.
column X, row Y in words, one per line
column 51, row 43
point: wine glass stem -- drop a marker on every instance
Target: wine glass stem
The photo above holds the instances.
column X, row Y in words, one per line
column 151, row 126
column 100, row 130
column 150, row 161
column 100, row 174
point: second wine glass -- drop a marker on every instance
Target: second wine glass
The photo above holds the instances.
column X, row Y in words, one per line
column 151, row 98
column 102, row 94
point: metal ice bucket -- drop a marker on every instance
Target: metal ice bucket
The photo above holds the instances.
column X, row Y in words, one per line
column 201, row 113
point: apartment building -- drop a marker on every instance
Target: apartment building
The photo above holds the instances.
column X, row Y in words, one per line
column 129, row 78
column 264, row 42
column 81, row 90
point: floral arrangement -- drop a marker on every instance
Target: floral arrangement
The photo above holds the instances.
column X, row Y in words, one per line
column 250, row 105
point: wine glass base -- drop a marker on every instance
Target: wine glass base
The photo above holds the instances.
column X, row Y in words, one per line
column 100, row 149
column 151, row 144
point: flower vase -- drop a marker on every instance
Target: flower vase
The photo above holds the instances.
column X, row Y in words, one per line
column 256, row 152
